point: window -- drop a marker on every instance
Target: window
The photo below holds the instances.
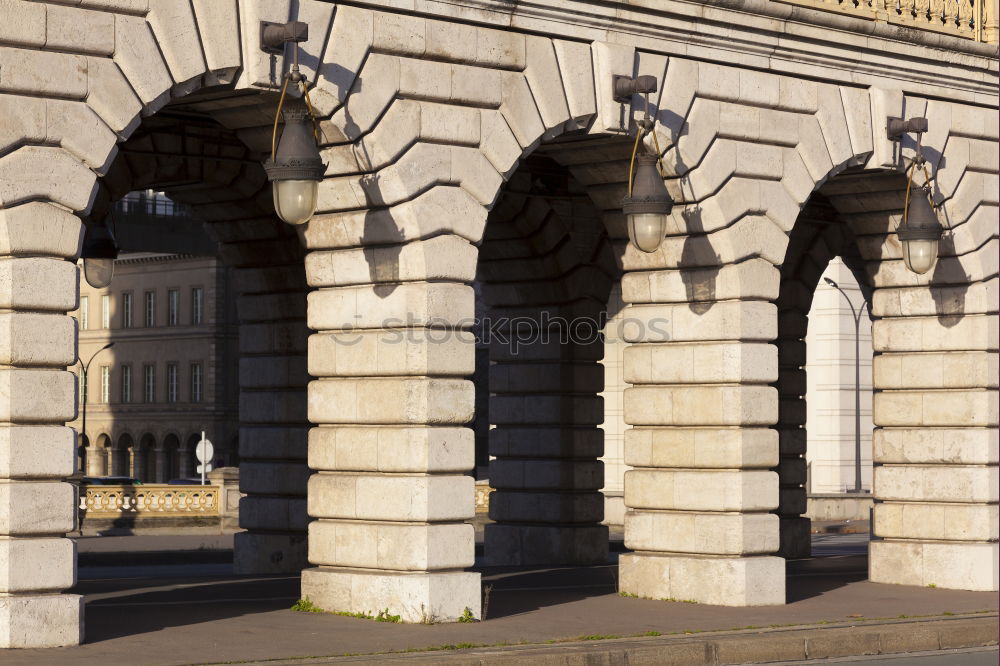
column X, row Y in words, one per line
column 84, row 313
column 196, row 382
column 197, row 302
column 106, row 311
column 149, row 383
column 149, row 314
column 105, row 384
column 127, row 309
column 83, row 387
column 173, row 305
column 126, row 383
column 171, row 382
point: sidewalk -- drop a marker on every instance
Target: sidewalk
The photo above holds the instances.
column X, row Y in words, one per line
column 202, row 617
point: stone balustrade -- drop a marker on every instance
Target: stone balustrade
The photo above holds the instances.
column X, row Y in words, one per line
column 149, row 501
column 969, row 19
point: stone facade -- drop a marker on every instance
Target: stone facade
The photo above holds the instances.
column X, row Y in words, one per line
column 462, row 144
column 171, row 374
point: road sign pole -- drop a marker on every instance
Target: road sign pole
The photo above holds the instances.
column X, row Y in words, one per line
column 203, row 465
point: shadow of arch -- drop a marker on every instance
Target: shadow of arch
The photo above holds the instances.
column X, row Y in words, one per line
column 171, row 453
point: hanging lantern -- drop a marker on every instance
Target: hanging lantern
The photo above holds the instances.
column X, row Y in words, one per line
column 296, row 168
column 99, row 253
column 647, row 206
column 920, row 233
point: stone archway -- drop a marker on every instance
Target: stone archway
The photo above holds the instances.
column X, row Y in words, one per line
column 421, row 131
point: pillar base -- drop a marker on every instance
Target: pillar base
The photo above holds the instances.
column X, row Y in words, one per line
column 269, row 552
column 41, row 621
column 720, row 581
column 951, row 565
column 795, row 538
column 529, row 545
column 416, row 597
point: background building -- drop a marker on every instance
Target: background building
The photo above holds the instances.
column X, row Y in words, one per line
column 172, row 370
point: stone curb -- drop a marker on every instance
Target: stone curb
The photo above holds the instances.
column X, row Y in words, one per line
column 718, row 648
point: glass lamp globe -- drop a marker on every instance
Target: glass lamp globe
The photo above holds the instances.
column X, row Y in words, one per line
column 648, row 206
column 98, row 271
column 296, row 169
column 295, row 200
column 920, row 234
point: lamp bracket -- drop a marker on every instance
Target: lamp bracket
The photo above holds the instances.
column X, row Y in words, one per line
column 623, row 87
column 895, row 128
column 274, row 36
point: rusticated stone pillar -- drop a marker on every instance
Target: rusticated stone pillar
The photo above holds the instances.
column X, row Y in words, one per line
column 391, row 492
column 547, row 505
column 38, row 286
column 700, row 498
column 935, row 443
column 273, row 379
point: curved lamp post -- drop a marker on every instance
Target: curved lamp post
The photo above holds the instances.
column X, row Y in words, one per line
column 856, row 314
column 85, row 368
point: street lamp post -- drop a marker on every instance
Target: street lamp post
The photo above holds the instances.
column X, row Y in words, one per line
column 857, row 381
column 83, row 398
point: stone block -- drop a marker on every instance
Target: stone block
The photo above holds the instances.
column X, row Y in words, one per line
column 35, row 507
column 36, row 565
column 394, row 449
column 703, row 533
column 274, row 406
column 528, row 474
column 576, row 70
column 703, row 490
column 395, row 352
column 138, row 56
column 937, row 483
column 720, row 581
column 79, row 30
column 545, row 81
column 393, row 546
column 273, row 442
column 546, row 507
column 750, row 279
column 730, row 320
column 729, row 448
column 536, row 545
column 955, row 566
column 218, row 25
column 38, row 283
column 386, row 401
column 25, row 24
column 701, row 405
column 176, row 31
column 396, row 306
column 37, row 396
column 948, row 522
column 546, row 442
column 936, row 408
column 279, row 337
column 279, row 514
column 926, row 334
column 43, row 73
column 957, row 446
column 261, row 553
column 702, row 363
column 546, row 409
column 273, row 371
column 546, row 378
column 34, row 452
column 397, row 497
column 28, row 339
column 274, row 477
column 937, row 370
column 795, row 538
column 41, row 621
column 46, row 173
column 415, row 597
